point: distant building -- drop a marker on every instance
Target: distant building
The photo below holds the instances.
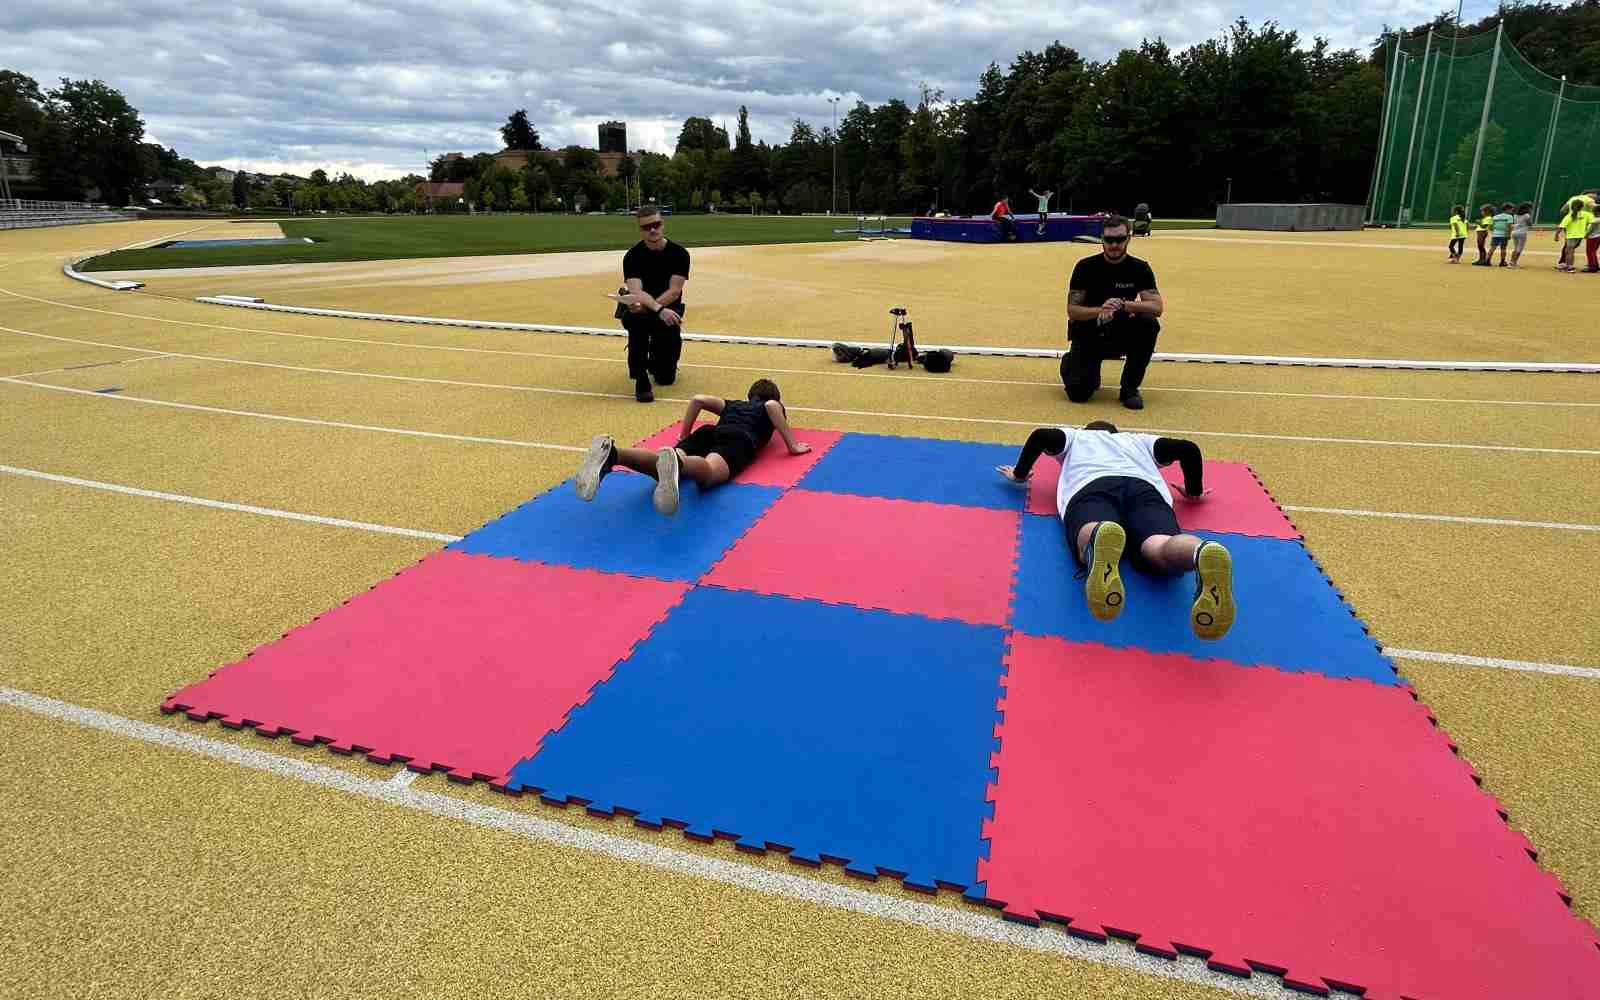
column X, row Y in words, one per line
column 222, row 174
column 613, row 137
column 437, row 191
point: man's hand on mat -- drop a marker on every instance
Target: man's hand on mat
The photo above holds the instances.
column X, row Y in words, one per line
column 1194, row 497
column 1009, row 473
column 800, row 448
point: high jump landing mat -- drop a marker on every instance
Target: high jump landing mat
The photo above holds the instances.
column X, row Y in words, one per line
column 876, row 655
column 982, row 229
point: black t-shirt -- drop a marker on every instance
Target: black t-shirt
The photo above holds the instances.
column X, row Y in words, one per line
column 747, row 417
column 655, row 268
column 1099, row 279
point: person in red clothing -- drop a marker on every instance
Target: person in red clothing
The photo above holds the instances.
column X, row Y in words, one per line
column 1002, row 218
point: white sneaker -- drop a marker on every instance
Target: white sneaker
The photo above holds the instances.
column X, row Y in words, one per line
column 596, row 463
column 667, row 469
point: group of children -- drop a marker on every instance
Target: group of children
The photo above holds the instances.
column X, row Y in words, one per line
column 1510, row 227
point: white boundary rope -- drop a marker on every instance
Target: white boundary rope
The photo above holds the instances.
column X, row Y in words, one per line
column 245, row 302
column 70, row 269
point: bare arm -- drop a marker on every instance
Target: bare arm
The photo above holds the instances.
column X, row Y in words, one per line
column 710, row 404
column 1076, row 310
column 1149, row 303
column 780, row 423
column 674, row 292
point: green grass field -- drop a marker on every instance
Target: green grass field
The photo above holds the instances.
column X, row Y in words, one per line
column 402, row 237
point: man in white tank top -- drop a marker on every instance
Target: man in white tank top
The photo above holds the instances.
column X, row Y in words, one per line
column 1111, row 490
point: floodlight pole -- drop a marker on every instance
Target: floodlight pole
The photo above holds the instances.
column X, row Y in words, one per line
column 835, row 209
column 1411, row 144
column 1549, row 147
column 1449, row 74
column 1483, row 122
column 1391, row 96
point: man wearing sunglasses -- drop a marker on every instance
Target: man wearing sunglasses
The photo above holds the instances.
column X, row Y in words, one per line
column 651, row 306
column 1112, row 310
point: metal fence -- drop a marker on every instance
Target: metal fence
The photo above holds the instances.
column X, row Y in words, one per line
column 1291, row 218
column 29, row 205
column 23, row 213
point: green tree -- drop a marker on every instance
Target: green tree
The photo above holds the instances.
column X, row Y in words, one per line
column 93, row 142
column 241, row 189
column 701, row 134
column 518, row 132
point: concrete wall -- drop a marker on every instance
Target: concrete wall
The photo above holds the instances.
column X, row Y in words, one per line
column 1294, row 218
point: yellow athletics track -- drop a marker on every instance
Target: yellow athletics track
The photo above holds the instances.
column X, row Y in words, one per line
column 1373, row 294
column 152, row 856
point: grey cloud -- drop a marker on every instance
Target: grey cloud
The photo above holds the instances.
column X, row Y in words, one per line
column 371, row 84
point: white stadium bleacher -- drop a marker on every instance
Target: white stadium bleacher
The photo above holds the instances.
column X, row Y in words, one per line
column 18, row 213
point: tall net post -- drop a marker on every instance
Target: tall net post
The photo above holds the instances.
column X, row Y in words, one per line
column 1483, row 122
column 1401, row 214
column 1390, row 98
column 1549, row 145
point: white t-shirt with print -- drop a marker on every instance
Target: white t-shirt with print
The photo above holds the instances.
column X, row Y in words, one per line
column 1093, row 454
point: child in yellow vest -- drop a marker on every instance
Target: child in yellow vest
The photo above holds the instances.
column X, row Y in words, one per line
column 1485, row 220
column 1571, row 231
column 1458, row 233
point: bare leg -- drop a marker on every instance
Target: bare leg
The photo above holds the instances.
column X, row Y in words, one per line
column 709, row 471
column 1173, row 554
column 637, row 459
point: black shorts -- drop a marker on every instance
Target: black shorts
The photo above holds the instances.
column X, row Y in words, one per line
column 736, row 447
column 1499, row 241
column 1133, row 503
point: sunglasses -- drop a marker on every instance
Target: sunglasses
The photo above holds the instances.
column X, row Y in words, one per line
column 650, row 227
column 1115, row 240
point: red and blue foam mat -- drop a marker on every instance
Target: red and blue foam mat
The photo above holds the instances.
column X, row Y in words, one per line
column 835, row 733
column 460, row 663
column 936, row 560
column 620, row 532
column 960, row 473
column 1319, row 829
column 1290, row 617
column 816, row 668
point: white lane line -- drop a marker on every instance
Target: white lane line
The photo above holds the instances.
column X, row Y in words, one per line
column 969, row 349
column 402, row 779
column 95, row 364
column 1445, row 518
column 968, row 923
column 1529, row 666
column 548, row 390
column 133, row 491
column 850, row 373
column 298, row 420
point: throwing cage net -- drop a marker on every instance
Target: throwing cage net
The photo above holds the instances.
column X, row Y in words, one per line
column 1467, row 120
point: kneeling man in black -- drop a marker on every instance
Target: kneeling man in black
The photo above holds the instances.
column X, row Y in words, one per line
column 655, row 271
column 1111, row 492
column 1112, row 310
column 710, row 454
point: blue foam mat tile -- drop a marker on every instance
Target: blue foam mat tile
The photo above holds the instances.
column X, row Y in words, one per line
column 1289, row 616
column 620, row 531
column 729, row 716
column 909, row 468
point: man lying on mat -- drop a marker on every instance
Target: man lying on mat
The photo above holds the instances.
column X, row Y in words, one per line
column 710, row 454
column 1111, row 489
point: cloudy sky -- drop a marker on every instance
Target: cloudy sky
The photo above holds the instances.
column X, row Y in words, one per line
column 368, row 85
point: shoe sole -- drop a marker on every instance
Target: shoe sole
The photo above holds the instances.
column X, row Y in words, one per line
column 590, row 471
column 1104, row 588
column 666, row 494
column 1214, row 610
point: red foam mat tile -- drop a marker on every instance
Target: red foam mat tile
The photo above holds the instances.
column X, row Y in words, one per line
column 774, row 466
column 1277, row 821
column 462, row 662
column 931, row 559
column 1238, row 502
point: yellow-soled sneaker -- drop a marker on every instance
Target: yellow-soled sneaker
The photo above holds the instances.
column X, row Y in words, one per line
column 1214, row 610
column 1104, row 587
